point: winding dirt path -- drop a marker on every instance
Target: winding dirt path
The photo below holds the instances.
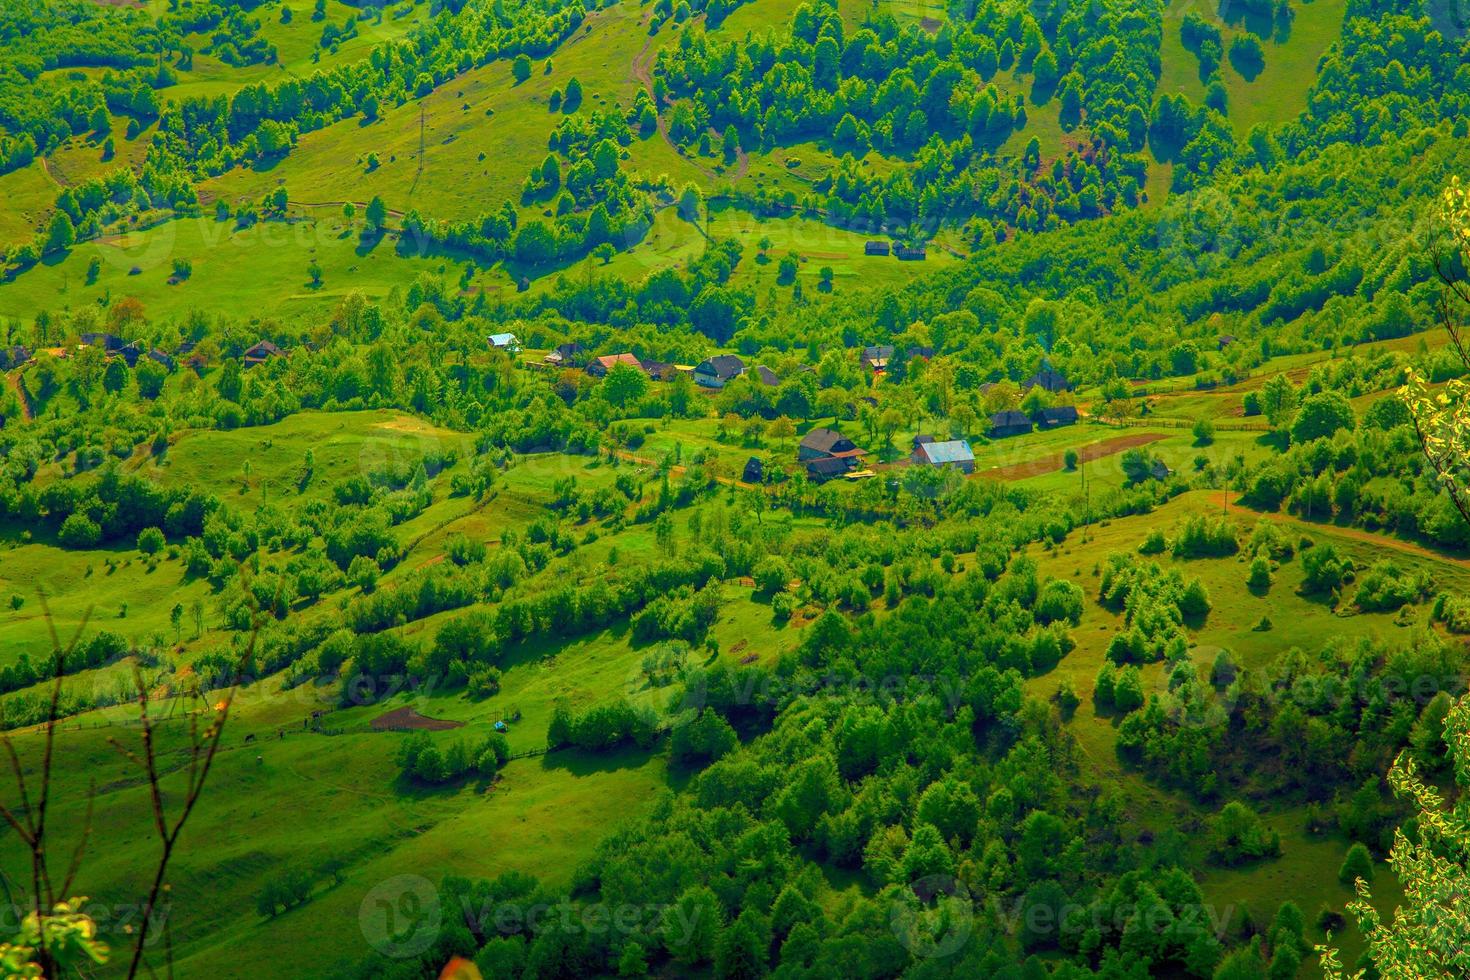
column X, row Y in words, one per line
column 641, row 71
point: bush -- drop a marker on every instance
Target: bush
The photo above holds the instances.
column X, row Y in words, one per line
column 1454, row 612
column 1357, row 864
column 1385, row 587
column 1059, row 601
column 79, row 531
column 1128, row 692
column 1323, row 570
column 1259, row 579
column 150, row 541
column 1066, row 698
column 1154, row 544
column 1237, row 835
column 1199, row 537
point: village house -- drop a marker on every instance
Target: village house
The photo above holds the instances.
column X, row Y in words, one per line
column 158, row 356
column 952, row 453
column 827, row 453
column 260, row 353
column 826, row 444
column 663, row 370
column 876, row 248
column 565, row 355
column 828, row 468
column 911, row 253
column 506, row 342
column 1055, row 418
column 113, row 346
column 1009, row 423
column 755, row 471
column 766, row 376
column 717, row 371
column 875, row 359
column 599, row 366
column 1047, row 378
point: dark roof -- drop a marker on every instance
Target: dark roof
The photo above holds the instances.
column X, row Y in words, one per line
column 880, row 353
column 162, row 358
column 263, row 350
column 755, row 470
column 918, row 351
column 822, row 440
column 722, row 366
column 922, row 440
column 13, row 357
column 1008, row 418
column 828, row 466
column 876, row 248
column 910, row 252
column 1049, row 379
column 1061, row 415
column 569, row 350
column 766, row 376
column 108, row 342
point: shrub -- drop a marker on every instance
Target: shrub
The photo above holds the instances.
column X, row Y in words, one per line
column 1105, row 684
column 79, row 531
column 1323, row 570
column 1259, row 578
column 150, row 541
column 1357, row 864
column 1199, row 537
column 1454, row 612
column 1385, row 587
column 1237, row 835
column 1059, row 601
column 1128, row 692
column 1066, row 698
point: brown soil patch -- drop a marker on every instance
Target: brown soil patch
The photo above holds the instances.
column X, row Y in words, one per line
column 1052, row 462
column 407, row 719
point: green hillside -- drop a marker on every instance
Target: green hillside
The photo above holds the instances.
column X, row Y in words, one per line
column 703, row 488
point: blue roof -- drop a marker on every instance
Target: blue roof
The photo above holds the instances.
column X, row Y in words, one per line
column 502, row 339
column 953, row 451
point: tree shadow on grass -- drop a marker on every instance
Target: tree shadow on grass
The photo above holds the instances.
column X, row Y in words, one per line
column 581, row 762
